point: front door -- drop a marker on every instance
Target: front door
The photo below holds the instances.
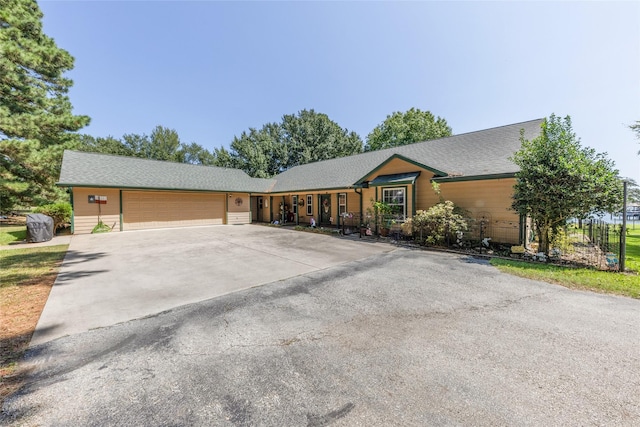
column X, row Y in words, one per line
column 260, row 207
column 325, row 209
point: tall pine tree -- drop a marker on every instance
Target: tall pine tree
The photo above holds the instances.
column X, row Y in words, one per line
column 36, row 119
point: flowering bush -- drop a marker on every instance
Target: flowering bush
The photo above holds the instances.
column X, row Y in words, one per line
column 436, row 224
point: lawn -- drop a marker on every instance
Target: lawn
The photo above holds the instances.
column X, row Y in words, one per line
column 633, row 249
column 627, row 284
column 26, row 277
column 12, row 233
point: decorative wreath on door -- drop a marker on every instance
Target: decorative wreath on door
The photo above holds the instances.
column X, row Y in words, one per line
column 325, row 205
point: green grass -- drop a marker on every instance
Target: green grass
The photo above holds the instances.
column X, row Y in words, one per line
column 18, row 266
column 633, row 249
column 578, row 278
column 12, row 233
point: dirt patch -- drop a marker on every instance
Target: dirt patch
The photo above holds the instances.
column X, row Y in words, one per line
column 20, row 309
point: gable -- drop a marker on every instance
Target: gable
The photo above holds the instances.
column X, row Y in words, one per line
column 395, row 166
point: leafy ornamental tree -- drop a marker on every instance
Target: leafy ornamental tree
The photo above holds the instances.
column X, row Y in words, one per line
column 36, row 119
column 405, row 128
column 299, row 139
column 559, row 180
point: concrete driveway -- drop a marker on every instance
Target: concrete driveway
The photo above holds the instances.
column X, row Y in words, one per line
column 405, row 338
column 115, row 277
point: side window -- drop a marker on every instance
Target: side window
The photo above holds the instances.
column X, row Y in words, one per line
column 395, row 197
column 309, row 205
column 342, row 203
column 294, row 203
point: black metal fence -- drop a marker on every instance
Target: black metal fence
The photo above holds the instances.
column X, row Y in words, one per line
column 592, row 242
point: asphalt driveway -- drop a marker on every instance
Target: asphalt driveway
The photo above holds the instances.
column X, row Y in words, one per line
column 406, row 337
column 115, row 277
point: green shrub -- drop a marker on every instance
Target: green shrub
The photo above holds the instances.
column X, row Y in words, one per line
column 60, row 212
column 101, row 227
column 438, row 223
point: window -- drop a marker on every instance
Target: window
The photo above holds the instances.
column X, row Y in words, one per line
column 294, row 203
column 395, row 197
column 342, row 204
column 309, row 205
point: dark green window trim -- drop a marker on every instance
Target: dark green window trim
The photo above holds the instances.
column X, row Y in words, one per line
column 73, row 210
column 392, row 187
column 413, row 199
column 121, row 225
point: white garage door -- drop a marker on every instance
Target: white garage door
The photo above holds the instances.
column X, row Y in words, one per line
column 158, row 209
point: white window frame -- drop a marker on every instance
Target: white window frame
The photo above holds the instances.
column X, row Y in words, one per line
column 342, row 203
column 294, row 204
column 309, row 205
column 388, row 197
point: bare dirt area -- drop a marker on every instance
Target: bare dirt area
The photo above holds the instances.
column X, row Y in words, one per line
column 21, row 303
column 19, row 313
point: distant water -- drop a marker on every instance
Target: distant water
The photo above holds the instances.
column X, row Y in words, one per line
column 612, row 219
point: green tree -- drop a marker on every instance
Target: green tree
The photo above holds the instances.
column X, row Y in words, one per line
column 224, row 159
column 137, row 145
column 260, row 153
column 405, row 128
column 36, row 119
column 636, row 129
column 196, row 154
column 559, row 180
column 108, row 145
column 300, row 138
column 310, row 137
column 164, row 144
column 633, row 191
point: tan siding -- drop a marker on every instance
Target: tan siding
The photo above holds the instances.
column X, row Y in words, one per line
column 353, row 202
column 422, row 185
column 85, row 214
column 243, row 199
column 235, row 218
column 490, row 199
column 393, row 167
column 425, row 196
column 158, row 209
column 492, row 196
column 238, row 209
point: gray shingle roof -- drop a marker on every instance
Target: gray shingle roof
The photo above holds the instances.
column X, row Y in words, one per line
column 101, row 170
column 484, row 152
column 472, row 154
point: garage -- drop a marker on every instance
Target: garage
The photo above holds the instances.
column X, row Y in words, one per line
column 162, row 209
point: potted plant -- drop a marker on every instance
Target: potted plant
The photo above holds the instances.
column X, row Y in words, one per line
column 382, row 213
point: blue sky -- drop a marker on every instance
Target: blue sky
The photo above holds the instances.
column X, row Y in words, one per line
column 211, row 70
